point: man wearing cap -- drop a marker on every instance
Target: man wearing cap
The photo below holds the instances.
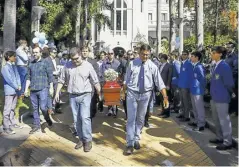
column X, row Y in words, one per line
column 114, row 64
column 142, row 76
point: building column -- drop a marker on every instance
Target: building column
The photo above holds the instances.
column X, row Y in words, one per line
column 180, row 15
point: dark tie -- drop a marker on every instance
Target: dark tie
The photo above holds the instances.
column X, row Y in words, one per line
column 213, row 68
column 141, row 79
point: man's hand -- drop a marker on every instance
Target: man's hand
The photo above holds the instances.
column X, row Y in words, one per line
column 19, row 88
column 26, row 93
column 57, row 98
column 51, row 90
column 165, row 102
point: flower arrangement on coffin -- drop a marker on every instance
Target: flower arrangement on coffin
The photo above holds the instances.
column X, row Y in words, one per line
column 111, row 75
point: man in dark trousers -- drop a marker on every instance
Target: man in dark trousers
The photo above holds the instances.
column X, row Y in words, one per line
column 166, row 74
column 85, row 50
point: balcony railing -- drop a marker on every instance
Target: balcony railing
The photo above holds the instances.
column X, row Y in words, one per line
column 154, row 23
column 118, row 32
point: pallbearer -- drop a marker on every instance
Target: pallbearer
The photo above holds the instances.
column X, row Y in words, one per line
column 141, row 75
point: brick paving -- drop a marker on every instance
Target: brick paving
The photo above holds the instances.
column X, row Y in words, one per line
column 165, row 140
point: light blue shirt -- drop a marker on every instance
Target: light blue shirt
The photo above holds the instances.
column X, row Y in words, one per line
column 151, row 77
column 22, row 57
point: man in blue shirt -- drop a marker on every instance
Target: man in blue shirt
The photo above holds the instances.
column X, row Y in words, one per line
column 183, row 84
column 12, row 85
column 40, row 76
column 197, row 89
column 221, row 89
column 142, row 76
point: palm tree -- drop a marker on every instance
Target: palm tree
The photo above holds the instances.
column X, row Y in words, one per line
column 9, row 26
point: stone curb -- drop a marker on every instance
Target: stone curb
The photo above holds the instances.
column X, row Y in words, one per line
column 212, row 127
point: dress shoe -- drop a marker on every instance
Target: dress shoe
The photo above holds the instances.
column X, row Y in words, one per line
column 192, row 124
column 136, row 145
column 223, row 147
column 79, row 145
column 58, row 111
column 129, row 150
column 34, row 130
column 185, row 120
column 49, row 122
column 146, row 124
column 87, row 146
column 161, row 114
column 165, row 116
column 75, row 133
column 180, row 116
column 216, row 141
column 197, row 129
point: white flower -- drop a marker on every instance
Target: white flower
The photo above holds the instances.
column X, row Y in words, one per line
column 110, row 75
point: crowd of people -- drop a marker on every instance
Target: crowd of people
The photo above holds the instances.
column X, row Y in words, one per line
column 176, row 81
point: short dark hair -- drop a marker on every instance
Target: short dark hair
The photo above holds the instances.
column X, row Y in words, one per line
column 197, row 54
column 164, row 56
column 145, row 47
column 185, row 52
column 103, row 52
column 37, row 46
column 8, row 54
column 220, row 49
column 231, row 44
column 74, row 51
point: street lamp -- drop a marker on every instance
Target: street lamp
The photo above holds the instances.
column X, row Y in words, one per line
column 38, row 11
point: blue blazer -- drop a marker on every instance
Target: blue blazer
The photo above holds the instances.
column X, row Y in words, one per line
column 198, row 80
column 221, row 83
column 185, row 74
column 176, row 72
column 11, row 79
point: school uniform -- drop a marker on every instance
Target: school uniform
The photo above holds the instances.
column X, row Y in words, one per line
column 220, row 90
column 184, row 84
column 197, row 89
column 12, row 82
column 176, row 65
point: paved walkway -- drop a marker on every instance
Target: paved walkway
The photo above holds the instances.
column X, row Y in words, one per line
column 164, row 142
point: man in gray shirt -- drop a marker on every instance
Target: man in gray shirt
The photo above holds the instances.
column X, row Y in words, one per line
column 142, row 76
column 79, row 75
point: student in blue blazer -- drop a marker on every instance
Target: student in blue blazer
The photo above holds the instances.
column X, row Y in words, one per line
column 12, row 86
column 183, row 84
column 197, row 89
column 221, row 89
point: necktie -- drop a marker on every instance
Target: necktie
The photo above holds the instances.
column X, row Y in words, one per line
column 141, row 79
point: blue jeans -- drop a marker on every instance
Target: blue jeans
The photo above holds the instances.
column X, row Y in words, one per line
column 136, row 107
column 23, row 77
column 80, row 106
column 39, row 100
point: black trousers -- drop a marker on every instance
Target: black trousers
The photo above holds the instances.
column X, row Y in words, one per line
column 175, row 96
column 165, row 111
column 93, row 105
column 125, row 105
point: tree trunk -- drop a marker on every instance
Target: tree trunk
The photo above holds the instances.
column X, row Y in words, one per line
column 180, row 15
column 9, row 27
column 172, row 33
column 78, row 19
column 159, row 26
column 33, row 18
column 216, row 24
column 200, row 33
column 85, row 21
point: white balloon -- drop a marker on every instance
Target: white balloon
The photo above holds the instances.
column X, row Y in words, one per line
column 46, row 41
column 36, row 34
column 35, row 40
column 42, row 34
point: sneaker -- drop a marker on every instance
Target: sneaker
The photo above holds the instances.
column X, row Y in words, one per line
column 9, row 131
column 79, row 145
column 223, row 147
column 136, row 145
column 34, row 130
column 129, row 150
column 216, row 141
column 87, row 146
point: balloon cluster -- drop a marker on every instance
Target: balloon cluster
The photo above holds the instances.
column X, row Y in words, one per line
column 40, row 39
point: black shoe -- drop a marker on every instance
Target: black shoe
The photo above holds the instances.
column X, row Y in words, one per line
column 223, row 147
column 129, row 150
column 216, row 141
column 87, row 146
column 79, row 145
column 197, row 129
column 161, row 114
column 185, row 120
column 114, row 115
column 136, row 145
column 34, row 130
column 58, row 111
column 109, row 114
column 49, row 122
column 180, row 116
column 146, row 124
column 192, row 124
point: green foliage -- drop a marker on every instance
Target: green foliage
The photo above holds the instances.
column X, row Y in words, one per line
column 165, row 46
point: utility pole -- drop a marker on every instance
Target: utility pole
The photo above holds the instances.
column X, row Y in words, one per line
column 172, row 32
column 77, row 27
column 200, row 33
column 180, row 15
column 159, row 26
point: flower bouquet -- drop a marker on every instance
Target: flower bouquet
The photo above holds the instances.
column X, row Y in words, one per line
column 111, row 89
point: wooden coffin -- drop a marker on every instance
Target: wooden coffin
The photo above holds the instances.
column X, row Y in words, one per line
column 111, row 91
